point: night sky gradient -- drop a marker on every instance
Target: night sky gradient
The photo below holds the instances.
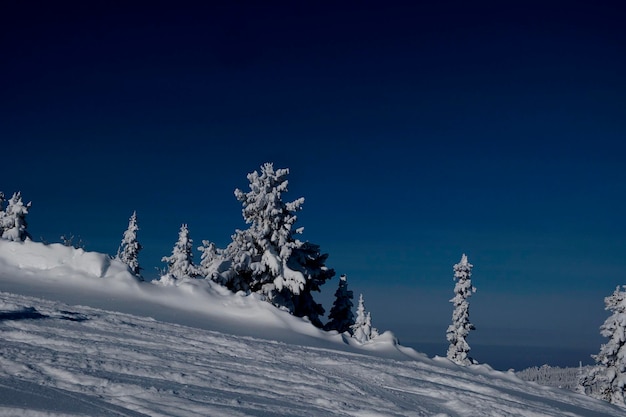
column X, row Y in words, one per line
column 416, row 131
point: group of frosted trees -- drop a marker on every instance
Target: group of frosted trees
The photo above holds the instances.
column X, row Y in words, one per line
column 267, row 258
column 13, row 218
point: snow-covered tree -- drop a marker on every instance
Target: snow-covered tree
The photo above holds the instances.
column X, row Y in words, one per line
column 341, row 317
column 459, row 329
column 271, row 222
column 128, row 251
column 72, row 241
column 180, row 263
column 14, row 219
column 267, row 258
column 207, row 259
column 2, row 213
column 362, row 329
column 213, row 264
column 308, row 260
column 607, row 380
column 240, row 254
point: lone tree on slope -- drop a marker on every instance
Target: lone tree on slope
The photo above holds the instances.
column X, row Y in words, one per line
column 341, row 316
column 180, row 262
column 128, row 251
column 362, row 329
column 14, row 219
column 2, row 213
column 459, row 329
column 267, row 258
column 607, row 380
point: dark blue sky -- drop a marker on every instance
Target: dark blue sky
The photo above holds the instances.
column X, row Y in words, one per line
column 414, row 132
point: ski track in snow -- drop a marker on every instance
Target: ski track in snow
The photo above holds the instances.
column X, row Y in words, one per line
column 60, row 360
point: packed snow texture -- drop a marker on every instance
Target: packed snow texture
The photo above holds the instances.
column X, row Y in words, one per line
column 83, row 336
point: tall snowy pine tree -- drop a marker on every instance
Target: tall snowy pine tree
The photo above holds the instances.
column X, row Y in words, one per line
column 267, row 258
column 459, row 329
column 362, row 329
column 14, row 219
column 341, row 317
column 607, row 380
column 128, row 251
column 180, row 263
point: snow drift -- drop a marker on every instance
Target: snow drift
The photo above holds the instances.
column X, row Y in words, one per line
column 81, row 335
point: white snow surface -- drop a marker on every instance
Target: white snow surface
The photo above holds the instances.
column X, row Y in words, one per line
column 81, row 336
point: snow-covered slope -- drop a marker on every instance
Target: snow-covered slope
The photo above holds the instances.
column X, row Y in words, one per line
column 137, row 349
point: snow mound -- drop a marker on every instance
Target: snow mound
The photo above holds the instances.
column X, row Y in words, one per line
column 59, row 260
column 89, row 278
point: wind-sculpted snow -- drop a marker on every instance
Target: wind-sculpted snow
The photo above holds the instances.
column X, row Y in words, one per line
column 59, row 359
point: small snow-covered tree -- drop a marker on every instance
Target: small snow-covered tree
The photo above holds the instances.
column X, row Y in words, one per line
column 308, row 260
column 2, row 213
column 362, row 329
column 240, row 254
column 69, row 241
column 341, row 317
column 128, row 251
column 607, row 380
column 267, row 258
column 180, row 263
column 14, row 219
column 207, row 259
column 213, row 264
column 459, row 329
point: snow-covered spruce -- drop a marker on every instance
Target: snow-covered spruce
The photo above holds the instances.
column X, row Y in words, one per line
column 180, row 263
column 2, row 213
column 362, row 329
column 267, row 258
column 128, row 251
column 239, row 255
column 341, row 317
column 607, row 380
column 209, row 256
column 213, row 264
column 13, row 219
column 458, row 351
column 270, row 232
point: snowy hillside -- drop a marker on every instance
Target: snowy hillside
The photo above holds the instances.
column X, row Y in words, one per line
column 82, row 337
